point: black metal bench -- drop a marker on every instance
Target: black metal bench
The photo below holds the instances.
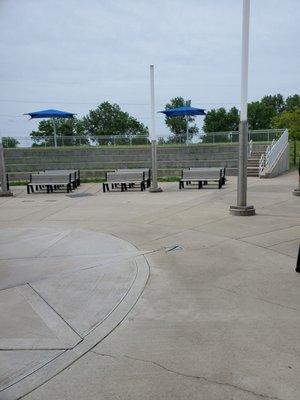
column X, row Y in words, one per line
column 201, row 177
column 124, row 179
column 212, row 168
column 146, row 170
column 49, row 181
column 75, row 174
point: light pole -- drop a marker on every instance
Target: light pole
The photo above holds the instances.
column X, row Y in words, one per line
column 241, row 208
column 154, row 186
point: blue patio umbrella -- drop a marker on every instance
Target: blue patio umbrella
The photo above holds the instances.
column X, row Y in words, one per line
column 51, row 114
column 184, row 111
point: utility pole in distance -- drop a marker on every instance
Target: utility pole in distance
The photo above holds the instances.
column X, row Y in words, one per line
column 241, row 208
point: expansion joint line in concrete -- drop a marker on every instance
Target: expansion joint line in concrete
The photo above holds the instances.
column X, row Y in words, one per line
column 198, row 377
column 49, row 305
column 258, row 298
column 44, row 373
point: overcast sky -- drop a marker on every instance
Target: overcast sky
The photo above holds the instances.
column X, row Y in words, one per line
column 74, row 54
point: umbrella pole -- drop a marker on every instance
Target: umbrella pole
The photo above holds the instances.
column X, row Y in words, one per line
column 187, row 130
column 54, row 130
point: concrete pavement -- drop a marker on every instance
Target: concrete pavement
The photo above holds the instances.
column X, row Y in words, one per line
column 219, row 317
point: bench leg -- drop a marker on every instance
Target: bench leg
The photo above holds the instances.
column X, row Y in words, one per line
column 220, row 183
column 103, row 187
column 122, row 187
column 28, row 189
column 200, row 185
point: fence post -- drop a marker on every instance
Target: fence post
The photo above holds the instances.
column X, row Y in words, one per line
column 3, row 176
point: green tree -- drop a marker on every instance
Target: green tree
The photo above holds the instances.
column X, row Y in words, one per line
column 109, row 120
column 9, row 142
column 290, row 120
column 178, row 125
column 70, row 132
column 220, row 120
column 276, row 102
column 260, row 115
column 292, row 102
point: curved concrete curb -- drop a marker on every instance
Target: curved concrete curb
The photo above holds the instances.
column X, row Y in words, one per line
column 40, row 376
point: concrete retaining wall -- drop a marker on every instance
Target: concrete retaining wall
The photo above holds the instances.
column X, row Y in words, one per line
column 94, row 161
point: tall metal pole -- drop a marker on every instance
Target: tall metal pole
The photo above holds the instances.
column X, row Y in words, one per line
column 4, row 191
column 241, row 208
column 187, row 130
column 154, row 186
column 54, row 130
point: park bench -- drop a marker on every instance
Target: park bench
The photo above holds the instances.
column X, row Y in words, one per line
column 211, row 168
column 146, row 170
column 124, row 179
column 75, row 174
column 50, row 182
column 201, row 177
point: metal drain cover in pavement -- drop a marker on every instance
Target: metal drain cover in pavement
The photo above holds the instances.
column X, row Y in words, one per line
column 80, row 195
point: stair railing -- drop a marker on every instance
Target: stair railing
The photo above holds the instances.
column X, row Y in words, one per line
column 262, row 164
column 250, row 147
column 272, row 152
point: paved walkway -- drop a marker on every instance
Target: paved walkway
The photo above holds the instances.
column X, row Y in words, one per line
column 219, row 317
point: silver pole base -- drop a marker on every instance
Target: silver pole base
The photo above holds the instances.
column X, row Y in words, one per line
column 242, row 211
column 155, row 190
column 296, row 192
column 7, row 193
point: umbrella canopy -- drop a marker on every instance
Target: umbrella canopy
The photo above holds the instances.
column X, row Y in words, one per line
column 183, row 111
column 50, row 114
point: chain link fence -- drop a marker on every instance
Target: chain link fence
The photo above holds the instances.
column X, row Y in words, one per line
column 135, row 140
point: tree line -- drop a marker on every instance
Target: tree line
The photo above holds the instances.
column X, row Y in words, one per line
column 108, row 124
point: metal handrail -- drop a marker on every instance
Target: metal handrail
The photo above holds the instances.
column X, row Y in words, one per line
column 268, row 159
column 262, row 164
column 276, row 148
column 250, row 147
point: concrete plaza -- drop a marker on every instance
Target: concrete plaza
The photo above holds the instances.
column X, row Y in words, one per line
column 141, row 295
